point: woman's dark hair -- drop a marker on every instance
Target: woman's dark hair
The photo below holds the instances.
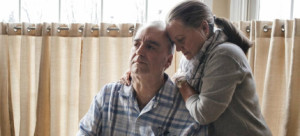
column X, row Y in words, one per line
column 193, row 12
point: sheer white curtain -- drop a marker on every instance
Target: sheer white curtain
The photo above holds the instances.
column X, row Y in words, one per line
column 243, row 10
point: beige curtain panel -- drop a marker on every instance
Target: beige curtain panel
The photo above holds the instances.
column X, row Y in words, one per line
column 275, row 61
column 49, row 73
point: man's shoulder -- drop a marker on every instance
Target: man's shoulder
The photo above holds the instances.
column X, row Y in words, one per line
column 109, row 91
column 113, row 86
column 114, row 89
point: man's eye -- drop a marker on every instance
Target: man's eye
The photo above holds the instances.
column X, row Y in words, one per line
column 136, row 44
column 150, row 47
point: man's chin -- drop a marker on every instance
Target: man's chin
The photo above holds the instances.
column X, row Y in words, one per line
column 138, row 70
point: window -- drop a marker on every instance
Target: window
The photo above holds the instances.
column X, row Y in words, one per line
column 296, row 9
column 158, row 9
column 279, row 9
column 36, row 11
column 79, row 11
column 10, row 12
column 123, row 11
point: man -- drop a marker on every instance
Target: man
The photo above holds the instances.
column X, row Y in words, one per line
column 151, row 105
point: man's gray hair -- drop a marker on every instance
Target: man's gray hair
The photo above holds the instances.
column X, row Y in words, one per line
column 160, row 25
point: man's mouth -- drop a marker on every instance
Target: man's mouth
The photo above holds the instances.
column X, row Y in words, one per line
column 139, row 62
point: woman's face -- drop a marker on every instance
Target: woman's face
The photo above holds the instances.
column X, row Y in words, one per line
column 188, row 40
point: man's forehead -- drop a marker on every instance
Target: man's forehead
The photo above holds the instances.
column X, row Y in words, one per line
column 150, row 32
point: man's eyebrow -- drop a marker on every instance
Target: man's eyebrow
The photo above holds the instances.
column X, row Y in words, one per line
column 148, row 41
column 153, row 42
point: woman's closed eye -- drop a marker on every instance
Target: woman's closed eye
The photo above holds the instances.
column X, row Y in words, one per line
column 181, row 40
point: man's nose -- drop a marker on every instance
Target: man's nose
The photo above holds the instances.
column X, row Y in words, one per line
column 140, row 50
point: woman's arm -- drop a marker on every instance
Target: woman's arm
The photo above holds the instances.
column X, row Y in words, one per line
column 186, row 90
column 221, row 76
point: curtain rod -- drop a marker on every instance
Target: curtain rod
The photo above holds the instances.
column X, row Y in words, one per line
column 266, row 28
column 80, row 29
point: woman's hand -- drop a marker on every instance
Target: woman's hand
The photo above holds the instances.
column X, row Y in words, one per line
column 178, row 78
column 126, row 78
column 185, row 88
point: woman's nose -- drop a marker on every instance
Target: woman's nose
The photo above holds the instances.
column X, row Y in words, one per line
column 178, row 48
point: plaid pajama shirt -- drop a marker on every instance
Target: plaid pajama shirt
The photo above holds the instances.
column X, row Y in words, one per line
column 114, row 111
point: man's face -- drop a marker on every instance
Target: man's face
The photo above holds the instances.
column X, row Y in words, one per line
column 150, row 52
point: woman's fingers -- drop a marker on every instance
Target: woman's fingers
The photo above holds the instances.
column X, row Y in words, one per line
column 126, row 79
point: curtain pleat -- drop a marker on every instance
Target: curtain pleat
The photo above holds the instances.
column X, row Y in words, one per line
column 6, row 112
column 115, row 57
column 293, row 120
column 251, row 52
column 29, row 74
column 104, row 60
column 14, row 47
column 288, row 55
column 90, row 71
column 30, row 54
column 43, row 106
column 275, row 91
column 64, row 84
column 262, row 44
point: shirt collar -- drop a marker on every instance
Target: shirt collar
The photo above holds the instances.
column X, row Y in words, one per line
column 127, row 91
column 167, row 90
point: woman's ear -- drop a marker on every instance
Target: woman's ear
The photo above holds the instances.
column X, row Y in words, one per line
column 204, row 27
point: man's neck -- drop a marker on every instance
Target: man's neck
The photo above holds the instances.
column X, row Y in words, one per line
column 146, row 87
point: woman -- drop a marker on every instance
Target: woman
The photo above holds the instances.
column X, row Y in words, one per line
column 215, row 78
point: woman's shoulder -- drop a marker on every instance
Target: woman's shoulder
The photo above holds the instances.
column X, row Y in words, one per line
column 229, row 49
column 232, row 51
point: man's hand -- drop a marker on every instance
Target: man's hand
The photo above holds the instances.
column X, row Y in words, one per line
column 126, row 78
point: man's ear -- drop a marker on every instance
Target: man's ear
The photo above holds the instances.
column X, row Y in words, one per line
column 169, row 61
